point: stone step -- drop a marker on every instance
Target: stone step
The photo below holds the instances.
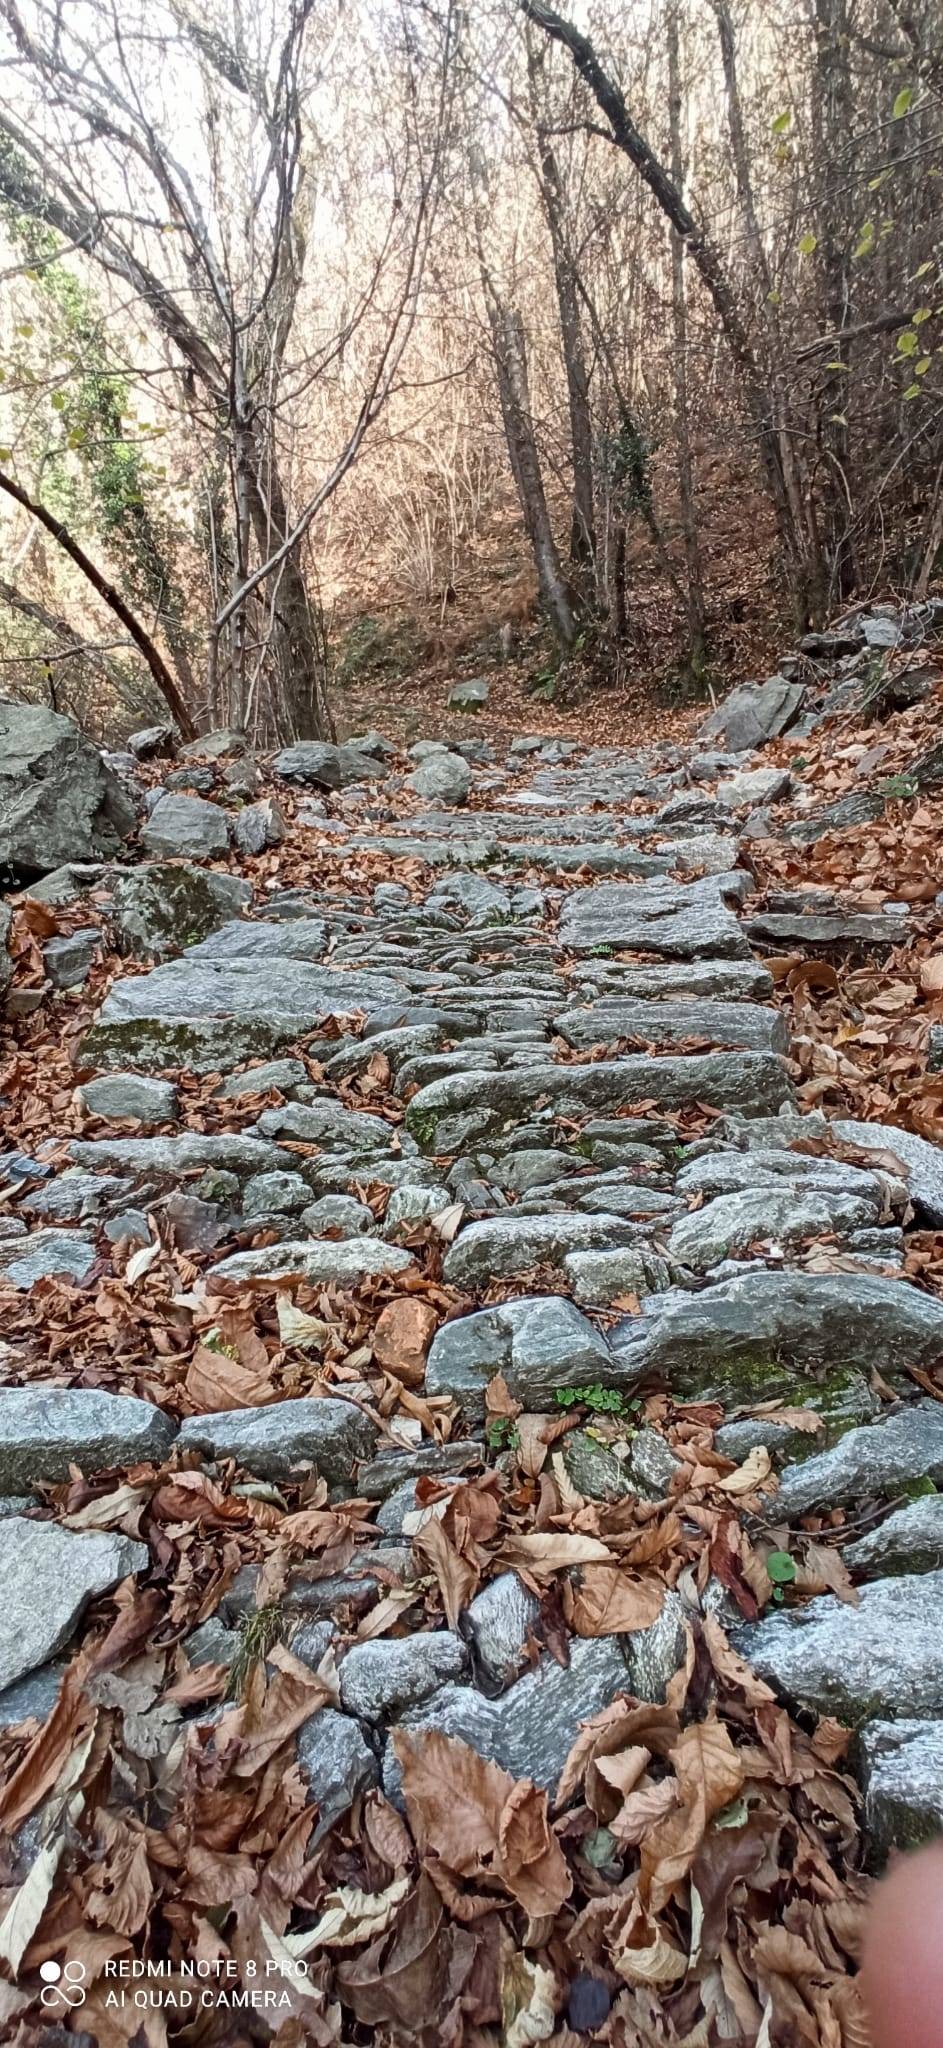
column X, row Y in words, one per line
column 690, row 920
column 882, row 1458
column 902, row 1777
column 754, row 1082
column 881, row 1660
column 746, row 1025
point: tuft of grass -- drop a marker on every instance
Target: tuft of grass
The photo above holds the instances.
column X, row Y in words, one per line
column 257, row 1633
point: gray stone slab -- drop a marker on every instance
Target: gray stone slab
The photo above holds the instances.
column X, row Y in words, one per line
column 910, row 1540
column 531, row 1730
column 186, row 825
column 171, row 1157
column 159, row 909
column 902, row 1776
column 879, row 1458
column 379, row 1679
column 749, row 1025
column 298, row 995
column 671, row 980
column 539, row 1344
column 48, row 1576
column 272, row 1442
column 134, row 1096
column 298, row 938
column 764, row 1333
column 338, row 1763
column 923, row 1160
column 881, row 1660
column 655, row 917
column 502, row 1246
column 754, row 713
column 344, row 1261
column 46, row 1254
column 755, row 1082
column 781, row 1217
column 45, row 1429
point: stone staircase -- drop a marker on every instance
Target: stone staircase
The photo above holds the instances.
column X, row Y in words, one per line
column 593, row 1069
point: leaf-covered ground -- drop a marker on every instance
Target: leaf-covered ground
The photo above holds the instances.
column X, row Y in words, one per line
column 698, row 1877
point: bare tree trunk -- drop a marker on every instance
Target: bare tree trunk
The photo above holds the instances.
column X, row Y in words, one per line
column 933, row 541
column 692, row 553
column 833, row 124
column 299, row 648
column 510, row 356
column 704, row 254
column 583, row 528
column 113, row 599
column 803, row 547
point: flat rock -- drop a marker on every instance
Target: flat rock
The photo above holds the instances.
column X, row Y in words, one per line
column 170, row 1157
column 344, row 1261
column 45, row 1429
column 881, row 1660
column 872, row 929
column 186, row 825
column 159, row 909
column 602, row 1276
column 338, row 1763
column 298, row 995
column 311, row 762
column 443, row 777
column 754, row 1082
column 531, row 1730
column 737, row 981
column 923, row 1160
column 763, row 1333
column 754, row 786
column 539, row 1344
column 879, row 1458
column 780, row 1217
column 653, row 917
column 136, row 1097
column 328, row 1434
column 910, row 1540
column 504, row 1245
column 379, row 1679
column 300, row 938
column 749, row 1025
column 48, row 1576
column 66, row 1254
column 902, row 1776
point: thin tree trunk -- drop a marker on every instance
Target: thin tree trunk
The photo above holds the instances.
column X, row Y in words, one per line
column 113, row 599
column 692, row 552
column 583, row 528
column 510, row 355
column 833, row 124
column 803, row 545
column 933, row 541
column 704, row 254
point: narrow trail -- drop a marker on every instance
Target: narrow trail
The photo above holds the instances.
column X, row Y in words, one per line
column 517, row 1357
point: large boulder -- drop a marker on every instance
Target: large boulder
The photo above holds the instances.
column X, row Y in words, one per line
column 186, row 825
column 753, row 714
column 443, row 778
column 59, row 801
column 162, row 908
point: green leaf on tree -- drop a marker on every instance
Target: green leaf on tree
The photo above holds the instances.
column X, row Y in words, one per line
column 902, row 102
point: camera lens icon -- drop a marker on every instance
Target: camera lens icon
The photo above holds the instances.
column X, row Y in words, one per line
column 63, row 1984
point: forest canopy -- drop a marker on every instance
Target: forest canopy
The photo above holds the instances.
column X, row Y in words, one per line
column 302, row 304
